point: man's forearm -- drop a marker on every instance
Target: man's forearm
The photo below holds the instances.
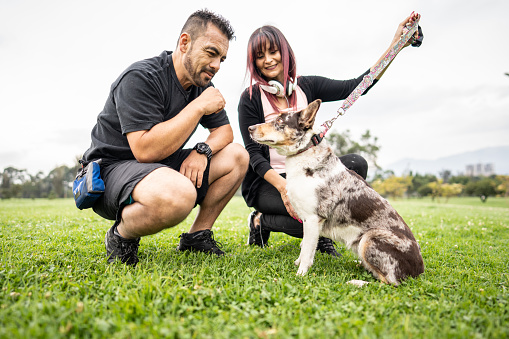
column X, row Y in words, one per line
column 219, row 138
column 165, row 138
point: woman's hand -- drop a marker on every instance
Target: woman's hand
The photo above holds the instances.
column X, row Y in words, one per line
column 288, row 204
column 408, row 21
column 279, row 183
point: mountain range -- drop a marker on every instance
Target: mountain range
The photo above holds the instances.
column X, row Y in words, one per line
column 457, row 164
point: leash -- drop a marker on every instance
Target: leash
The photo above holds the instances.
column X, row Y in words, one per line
column 408, row 32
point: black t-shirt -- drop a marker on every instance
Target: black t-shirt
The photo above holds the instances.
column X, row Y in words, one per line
column 145, row 94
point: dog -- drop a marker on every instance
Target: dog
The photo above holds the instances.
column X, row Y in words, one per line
column 337, row 203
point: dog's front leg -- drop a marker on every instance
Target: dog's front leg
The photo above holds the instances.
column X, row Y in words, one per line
column 308, row 245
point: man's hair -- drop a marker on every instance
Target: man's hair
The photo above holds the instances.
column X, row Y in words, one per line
column 197, row 23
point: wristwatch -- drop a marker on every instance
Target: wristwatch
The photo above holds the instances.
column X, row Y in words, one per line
column 203, row 148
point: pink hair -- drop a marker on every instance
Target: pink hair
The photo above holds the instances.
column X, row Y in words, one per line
column 257, row 43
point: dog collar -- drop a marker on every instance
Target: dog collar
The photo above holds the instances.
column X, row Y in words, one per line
column 315, row 140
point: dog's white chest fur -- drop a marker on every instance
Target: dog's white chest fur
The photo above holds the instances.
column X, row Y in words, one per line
column 302, row 185
column 302, row 193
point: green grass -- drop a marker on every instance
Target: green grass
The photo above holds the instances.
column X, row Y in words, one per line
column 55, row 282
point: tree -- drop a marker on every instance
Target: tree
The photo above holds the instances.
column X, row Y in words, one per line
column 393, row 186
column 33, row 188
column 60, row 178
column 436, row 189
column 445, row 175
column 460, row 179
column 12, row 181
column 424, row 190
column 482, row 188
column 16, row 183
column 503, row 185
column 451, row 190
column 382, row 174
column 445, row 190
column 368, row 147
column 420, row 184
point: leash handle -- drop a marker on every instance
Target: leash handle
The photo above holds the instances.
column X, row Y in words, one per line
column 408, row 32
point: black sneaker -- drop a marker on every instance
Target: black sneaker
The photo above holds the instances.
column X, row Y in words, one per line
column 201, row 241
column 257, row 236
column 126, row 250
column 326, row 245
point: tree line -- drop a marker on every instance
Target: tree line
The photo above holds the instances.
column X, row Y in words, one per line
column 18, row 183
column 439, row 187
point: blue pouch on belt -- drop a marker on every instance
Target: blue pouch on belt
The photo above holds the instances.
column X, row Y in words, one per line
column 88, row 185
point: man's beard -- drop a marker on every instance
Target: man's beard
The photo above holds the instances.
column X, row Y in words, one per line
column 196, row 76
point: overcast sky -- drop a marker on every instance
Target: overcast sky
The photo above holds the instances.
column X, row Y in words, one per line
column 59, row 58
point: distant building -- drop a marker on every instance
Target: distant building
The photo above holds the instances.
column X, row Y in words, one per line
column 480, row 169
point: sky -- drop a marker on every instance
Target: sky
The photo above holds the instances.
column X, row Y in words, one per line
column 58, row 59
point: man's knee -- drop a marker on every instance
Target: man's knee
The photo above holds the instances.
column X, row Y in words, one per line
column 166, row 192
column 233, row 159
column 239, row 156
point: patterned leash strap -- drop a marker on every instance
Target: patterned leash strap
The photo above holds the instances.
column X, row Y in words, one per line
column 408, row 32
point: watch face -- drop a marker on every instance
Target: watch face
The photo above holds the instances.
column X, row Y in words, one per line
column 203, row 148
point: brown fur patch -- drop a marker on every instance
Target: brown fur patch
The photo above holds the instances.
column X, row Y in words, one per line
column 292, row 120
column 367, row 263
column 409, row 263
column 400, row 227
column 363, row 207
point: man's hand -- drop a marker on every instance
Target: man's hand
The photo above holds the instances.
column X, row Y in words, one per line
column 211, row 101
column 193, row 167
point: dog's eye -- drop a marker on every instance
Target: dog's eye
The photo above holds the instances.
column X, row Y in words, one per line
column 280, row 121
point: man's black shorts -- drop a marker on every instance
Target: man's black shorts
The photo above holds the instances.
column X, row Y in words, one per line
column 121, row 177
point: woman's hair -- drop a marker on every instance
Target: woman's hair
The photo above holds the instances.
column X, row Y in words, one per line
column 257, row 43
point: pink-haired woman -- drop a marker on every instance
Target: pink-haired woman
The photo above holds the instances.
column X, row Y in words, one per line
column 274, row 87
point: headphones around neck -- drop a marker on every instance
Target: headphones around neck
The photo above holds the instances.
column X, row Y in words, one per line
column 278, row 90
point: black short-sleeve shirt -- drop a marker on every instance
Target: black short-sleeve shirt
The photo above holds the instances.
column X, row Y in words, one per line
column 145, row 94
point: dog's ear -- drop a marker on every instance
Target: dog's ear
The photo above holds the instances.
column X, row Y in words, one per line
column 308, row 114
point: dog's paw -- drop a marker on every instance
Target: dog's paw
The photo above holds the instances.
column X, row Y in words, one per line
column 297, row 262
column 358, row 283
column 301, row 271
column 303, row 268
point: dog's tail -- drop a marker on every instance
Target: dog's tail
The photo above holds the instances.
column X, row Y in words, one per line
column 390, row 256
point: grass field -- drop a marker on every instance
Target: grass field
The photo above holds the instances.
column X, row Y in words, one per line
column 55, row 282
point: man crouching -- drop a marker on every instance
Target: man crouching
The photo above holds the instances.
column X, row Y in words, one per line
column 151, row 181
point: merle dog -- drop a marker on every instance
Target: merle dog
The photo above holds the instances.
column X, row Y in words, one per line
column 337, row 203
